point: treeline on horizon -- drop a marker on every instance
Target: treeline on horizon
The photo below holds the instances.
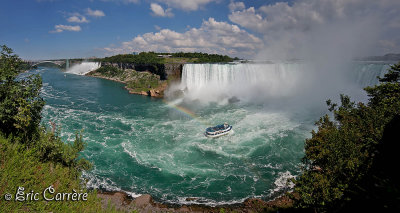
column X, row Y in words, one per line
column 153, row 58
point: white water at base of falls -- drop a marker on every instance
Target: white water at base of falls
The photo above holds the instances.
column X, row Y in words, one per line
column 83, row 68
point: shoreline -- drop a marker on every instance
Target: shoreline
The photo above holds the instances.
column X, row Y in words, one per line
column 145, row 203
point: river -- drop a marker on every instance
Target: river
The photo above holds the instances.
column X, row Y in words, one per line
column 140, row 144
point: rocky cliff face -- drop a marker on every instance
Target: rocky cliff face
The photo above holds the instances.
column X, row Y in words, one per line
column 165, row 71
column 174, row 71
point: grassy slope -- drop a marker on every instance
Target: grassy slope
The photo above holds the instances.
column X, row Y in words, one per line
column 20, row 167
column 143, row 81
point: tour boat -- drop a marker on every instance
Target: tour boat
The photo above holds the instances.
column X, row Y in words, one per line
column 219, row 130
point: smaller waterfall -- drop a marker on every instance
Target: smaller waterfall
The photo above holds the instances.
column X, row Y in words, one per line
column 365, row 74
column 83, row 68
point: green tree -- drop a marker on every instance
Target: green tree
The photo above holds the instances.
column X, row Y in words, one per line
column 393, row 75
column 341, row 156
column 20, row 115
column 20, row 101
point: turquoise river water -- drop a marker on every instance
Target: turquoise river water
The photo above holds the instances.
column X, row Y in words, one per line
column 143, row 145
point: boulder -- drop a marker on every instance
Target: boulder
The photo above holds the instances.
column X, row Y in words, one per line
column 143, row 201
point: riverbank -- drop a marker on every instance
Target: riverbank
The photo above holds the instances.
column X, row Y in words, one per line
column 145, row 203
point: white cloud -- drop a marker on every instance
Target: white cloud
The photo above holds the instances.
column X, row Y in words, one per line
column 159, row 11
column 233, row 6
column 187, row 5
column 60, row 28
column 211, row 37
column 95, row 13
column 77, row 18
column 248, row 19
column 342, row 28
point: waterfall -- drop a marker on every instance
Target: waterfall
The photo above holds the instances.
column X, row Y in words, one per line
column 213, row 81
column 222, row 76
column 83, row 68
column 365, row 74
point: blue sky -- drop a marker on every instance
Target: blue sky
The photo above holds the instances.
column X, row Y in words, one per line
column 46, row 29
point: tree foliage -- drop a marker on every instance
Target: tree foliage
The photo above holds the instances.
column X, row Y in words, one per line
column 20, row 115
column 20, row 103
column 49, row 147
column 341, row 156
column 146, row 58
column 141, row 58
column 204, row 57
column 393, row 75
column 109, row 71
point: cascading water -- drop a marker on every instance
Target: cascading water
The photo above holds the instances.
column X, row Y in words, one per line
column 365, row 74
column 142, row 145
column 83, row 68
column 265, row 81
column 215, row 81
column 223, row 76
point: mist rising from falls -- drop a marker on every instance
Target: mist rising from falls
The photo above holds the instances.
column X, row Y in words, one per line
column 83, row 68
column 298, row 82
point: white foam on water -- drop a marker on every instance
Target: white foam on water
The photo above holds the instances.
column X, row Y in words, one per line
column 94, row 182
column 207, row 202
column 283, row 182
column 132, row 153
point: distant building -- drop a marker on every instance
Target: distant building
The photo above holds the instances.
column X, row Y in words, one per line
column 135, row 53
column 164, row 56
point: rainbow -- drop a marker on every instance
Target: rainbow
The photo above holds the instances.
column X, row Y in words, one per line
column 186, row 112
